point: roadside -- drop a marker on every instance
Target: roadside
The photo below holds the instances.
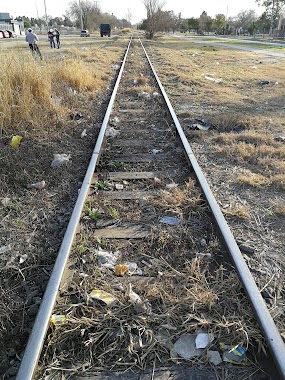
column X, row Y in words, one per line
column 237, row 45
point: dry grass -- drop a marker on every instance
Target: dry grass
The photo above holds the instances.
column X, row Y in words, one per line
column 34, row 94
column 239, row 211
column 279, row 210
column 126, row 30
column 141, row 80
column 144, row 88
column 78, row 75
column 259, row 180
column 255, row 148
column 25, row 92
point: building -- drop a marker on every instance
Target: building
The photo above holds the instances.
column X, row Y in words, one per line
column 7, row 23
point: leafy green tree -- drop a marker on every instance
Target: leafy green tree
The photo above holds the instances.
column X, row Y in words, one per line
column 273, row 8
column 219, row 23
column 57, row 21
column 252, row 28
column 263, row 23
column 193, row 24
column 27, row 24
column 209, row 24
column 67, row 21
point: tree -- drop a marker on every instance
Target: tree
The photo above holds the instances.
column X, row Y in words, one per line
column 251, row 29
column 87, row 12
column 67, row 21
column 246, row 19
column 205, row 23
column 273, row 7
column 219, row 23
column 193, row 24
column 129, row 16
column 168, row 21
column 209, row 24
column 154, row 16
column 202, row 21
column 27, row 24
column 263, row 23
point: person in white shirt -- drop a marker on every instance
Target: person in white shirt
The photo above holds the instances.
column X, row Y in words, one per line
column 32, row 40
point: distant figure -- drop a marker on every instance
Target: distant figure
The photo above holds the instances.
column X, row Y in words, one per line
column 32, row 40
column 51, row 38
column 57, row 34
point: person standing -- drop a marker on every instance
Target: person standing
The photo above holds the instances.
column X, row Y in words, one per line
column 51, row 38
column 57, row 34
column 32, row 40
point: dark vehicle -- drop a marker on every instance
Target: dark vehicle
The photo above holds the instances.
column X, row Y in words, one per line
column 12, row 34
column 105, row 30
column 84, row 33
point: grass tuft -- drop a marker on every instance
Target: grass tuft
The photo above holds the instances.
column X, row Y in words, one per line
column 25, row 92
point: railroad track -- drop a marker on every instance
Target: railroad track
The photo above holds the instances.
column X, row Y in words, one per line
column 144, row 265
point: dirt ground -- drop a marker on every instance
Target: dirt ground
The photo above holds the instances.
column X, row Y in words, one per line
column 240, row 96
column 242, row 154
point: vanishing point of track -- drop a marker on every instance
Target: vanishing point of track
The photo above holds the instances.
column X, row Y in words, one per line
column 168, row 156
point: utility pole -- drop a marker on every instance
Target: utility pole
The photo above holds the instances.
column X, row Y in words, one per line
column 37, row 10
column 96, row 4
column 272, row 19
column 81, row 18
column 46, row 13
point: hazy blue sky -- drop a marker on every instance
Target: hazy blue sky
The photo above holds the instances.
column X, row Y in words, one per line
column 188, row 8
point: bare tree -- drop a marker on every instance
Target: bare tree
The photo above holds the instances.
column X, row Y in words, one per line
column 154, row 14
column 87, row 12
column 129, row 16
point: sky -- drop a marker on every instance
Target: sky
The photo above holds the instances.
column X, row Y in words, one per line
column 188, row 8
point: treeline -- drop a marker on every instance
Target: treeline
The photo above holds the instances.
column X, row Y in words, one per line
column 245, row 22
column 86, row 16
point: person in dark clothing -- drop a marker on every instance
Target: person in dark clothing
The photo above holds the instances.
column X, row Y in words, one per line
column 57, row 34
column 51, row 38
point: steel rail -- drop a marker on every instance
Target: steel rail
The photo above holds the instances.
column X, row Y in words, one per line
column 271, row 333
column 36, row 339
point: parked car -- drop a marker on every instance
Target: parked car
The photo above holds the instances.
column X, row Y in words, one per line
column 84, row 33
column 4, row 33
column 12, row 34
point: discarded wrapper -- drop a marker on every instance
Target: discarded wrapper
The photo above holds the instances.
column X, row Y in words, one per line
column 234, row 354
column 60, row 160
column 57, row 319
column 103, row 296
column 121, row 269
column 170, row 220
column 15, row 141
